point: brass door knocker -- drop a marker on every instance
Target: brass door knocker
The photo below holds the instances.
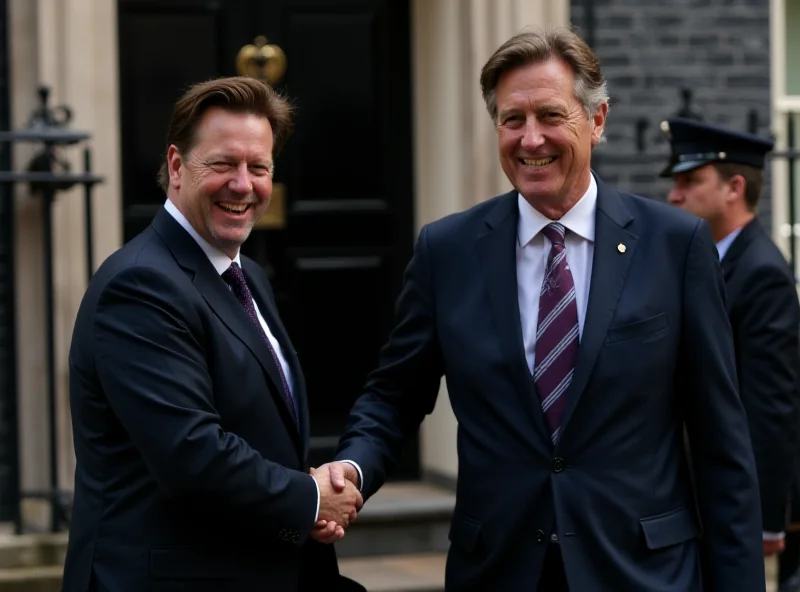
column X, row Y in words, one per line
column 261, row 60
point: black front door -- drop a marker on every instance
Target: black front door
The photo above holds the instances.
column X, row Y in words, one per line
column 340, row 230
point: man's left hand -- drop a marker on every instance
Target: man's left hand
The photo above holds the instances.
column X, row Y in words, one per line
column 327, row 532
column 774, row 547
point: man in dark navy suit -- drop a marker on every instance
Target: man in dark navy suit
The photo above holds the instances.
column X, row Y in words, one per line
column 188, row 400
column 718, row 175
column 579, row 329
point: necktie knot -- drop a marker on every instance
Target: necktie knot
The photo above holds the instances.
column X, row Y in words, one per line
column 555, row 232
column 234, row 276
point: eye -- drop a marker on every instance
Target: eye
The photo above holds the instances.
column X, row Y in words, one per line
column 221, row 166
column 513, row 120
column 259, row 169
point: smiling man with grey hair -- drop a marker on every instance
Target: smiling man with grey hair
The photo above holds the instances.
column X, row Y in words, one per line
column 579, row 329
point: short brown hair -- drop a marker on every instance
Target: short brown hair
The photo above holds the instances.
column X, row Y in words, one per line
column 239, row 94
column 538, row 45
column 753, row 180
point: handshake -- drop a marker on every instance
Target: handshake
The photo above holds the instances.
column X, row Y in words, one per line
column 339, row 500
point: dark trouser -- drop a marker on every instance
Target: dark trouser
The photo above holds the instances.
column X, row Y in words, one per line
column 553, row 578
column 789, row 562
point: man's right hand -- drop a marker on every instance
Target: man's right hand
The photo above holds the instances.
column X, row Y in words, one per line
column 338, row 506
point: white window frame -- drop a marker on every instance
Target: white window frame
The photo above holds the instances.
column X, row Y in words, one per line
column 782, row 105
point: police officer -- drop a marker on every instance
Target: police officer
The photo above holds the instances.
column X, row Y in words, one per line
column 718, row 174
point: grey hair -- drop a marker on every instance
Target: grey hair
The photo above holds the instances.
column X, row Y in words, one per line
column 539, row 45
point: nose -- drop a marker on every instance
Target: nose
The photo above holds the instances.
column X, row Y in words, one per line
column 532, row 137
column 675, row 196
column 241, row 183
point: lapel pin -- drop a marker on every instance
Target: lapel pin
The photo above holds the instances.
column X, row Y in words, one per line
column 621, row 248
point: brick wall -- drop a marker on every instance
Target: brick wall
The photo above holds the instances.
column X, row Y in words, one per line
column 8, row 448
column 650, row 50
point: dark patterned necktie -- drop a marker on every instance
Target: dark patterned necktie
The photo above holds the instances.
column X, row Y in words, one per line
column 234, row 277
column 556, row 332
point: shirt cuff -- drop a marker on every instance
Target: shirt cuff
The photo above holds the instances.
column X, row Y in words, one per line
column 318, row 496
column 774, row 536
column 360, row 474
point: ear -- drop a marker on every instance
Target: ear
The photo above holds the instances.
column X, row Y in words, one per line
column 737, row 185
column 599, row 121
column 174, row 166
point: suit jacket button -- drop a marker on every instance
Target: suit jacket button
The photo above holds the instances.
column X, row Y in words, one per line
column 539, row 536
column 558, row 465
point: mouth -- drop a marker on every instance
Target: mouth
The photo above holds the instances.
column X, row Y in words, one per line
column 538, row 162
column 233, row 207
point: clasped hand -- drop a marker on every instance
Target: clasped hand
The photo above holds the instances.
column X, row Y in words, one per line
column 339, row 500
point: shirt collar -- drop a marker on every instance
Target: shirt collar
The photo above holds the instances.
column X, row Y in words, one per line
column 725, row 243
column 219, row 260
column 580, row 219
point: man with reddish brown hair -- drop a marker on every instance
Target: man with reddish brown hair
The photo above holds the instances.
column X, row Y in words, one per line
column 188, row 401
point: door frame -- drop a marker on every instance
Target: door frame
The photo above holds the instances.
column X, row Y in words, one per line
column 9, row 449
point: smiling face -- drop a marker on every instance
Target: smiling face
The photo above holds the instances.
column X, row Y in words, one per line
column 224, row 183
column 544, row 137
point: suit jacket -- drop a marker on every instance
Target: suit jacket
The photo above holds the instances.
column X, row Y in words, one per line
column 765, row 316
column 191, row 474
column 656, row 353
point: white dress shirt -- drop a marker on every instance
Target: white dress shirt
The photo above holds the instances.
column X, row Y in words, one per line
column 221, row 263
column 533, row 249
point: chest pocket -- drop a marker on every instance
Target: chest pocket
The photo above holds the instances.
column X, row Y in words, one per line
column 638, row 329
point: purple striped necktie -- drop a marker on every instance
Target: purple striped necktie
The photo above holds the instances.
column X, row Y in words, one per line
column 234, row 277
column 556, row 332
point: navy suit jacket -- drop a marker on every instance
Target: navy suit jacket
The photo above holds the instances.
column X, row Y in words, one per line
column 191, row 474
column 656, row 355
column 765, row 317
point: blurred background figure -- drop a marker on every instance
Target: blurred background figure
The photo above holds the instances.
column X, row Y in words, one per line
column 718, row 175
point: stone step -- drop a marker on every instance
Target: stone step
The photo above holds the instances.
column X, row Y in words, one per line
column 398, row 573
column 32, row 550
column 31, row 579
column 771, row 568
column 422, row 572
column 402, row 518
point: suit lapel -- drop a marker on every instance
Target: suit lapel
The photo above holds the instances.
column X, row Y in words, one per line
column 739, row 246
column 497, row 253
column 609, row 271
column 255, row 279
column 221, row 300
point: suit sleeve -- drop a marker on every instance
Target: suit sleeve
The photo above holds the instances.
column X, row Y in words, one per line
column 153, row 369
column 403, row 388
column 721, row 453
column 767, row 329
